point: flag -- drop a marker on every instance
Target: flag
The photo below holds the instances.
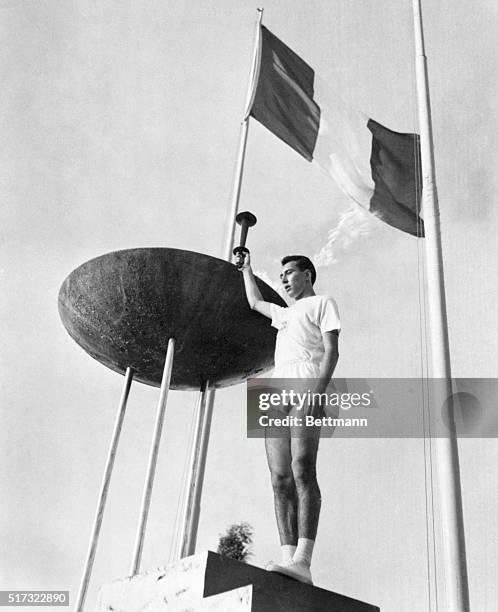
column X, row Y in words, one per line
column 377, row 168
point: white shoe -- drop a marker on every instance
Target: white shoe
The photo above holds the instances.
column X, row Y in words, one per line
column 298, row 571
column 271, row 564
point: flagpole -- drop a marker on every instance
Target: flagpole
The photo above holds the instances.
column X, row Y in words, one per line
column 241, row 154
column 453, row 539
column 187, row 533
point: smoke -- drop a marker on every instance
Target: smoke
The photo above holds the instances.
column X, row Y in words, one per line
column 354, row 223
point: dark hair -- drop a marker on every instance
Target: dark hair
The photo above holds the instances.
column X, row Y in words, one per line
column 303, row 263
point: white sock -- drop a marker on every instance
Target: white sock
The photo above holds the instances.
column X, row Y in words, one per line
column 304, row 551
column 288, row 551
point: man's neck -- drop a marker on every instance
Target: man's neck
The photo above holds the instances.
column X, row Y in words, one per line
column 308, row 292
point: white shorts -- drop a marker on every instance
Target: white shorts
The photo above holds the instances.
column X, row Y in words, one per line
column 301, row 371
column 297, row 369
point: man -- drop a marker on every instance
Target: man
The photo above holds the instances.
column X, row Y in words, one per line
column 306, row 348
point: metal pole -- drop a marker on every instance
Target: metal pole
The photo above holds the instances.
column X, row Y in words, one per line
column 453, row 540
column 191, row 505
column 239, row 171
column 201, row 468
column 104, row 489
column 187, row 508
column 193, row 492
column 156, row 439
column 192, row 502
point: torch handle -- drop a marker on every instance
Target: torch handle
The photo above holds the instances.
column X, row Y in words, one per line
column 245, row 220
column 244, row 228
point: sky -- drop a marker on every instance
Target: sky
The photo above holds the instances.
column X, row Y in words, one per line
column 119, row 124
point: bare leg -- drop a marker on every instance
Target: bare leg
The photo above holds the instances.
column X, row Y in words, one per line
column 304, row 449
column 278, row 453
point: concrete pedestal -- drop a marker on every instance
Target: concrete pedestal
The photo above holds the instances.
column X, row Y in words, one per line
column 210, row 582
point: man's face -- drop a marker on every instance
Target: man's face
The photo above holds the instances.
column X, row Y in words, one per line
column 294, row 280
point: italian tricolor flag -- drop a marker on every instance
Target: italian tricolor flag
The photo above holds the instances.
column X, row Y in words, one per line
column 377, row 168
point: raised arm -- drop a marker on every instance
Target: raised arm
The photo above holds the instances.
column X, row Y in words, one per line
column 254, row 297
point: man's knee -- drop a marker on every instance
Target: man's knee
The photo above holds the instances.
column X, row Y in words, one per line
column 282, row 482
column 304, row 471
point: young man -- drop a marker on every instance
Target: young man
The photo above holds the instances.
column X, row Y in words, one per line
column 306, row 348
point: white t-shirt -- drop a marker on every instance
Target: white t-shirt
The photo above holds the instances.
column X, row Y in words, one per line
column 300, row 328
